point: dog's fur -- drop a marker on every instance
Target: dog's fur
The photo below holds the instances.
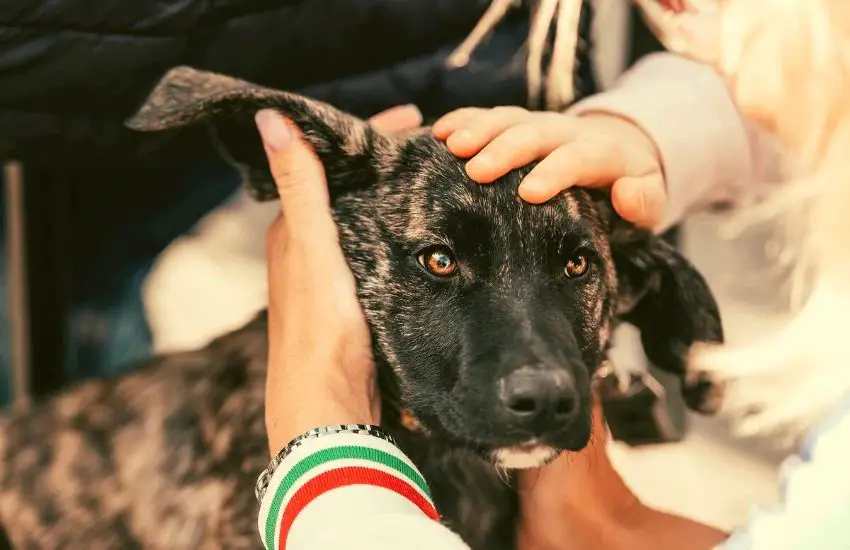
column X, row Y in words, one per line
column 166, row 456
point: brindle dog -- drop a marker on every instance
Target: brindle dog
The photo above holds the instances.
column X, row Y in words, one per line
column 489, row 317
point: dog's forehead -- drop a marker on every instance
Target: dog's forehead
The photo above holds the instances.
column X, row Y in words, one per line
column 430, row 188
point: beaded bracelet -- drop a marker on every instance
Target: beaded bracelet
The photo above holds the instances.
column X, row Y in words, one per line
column 361, row 429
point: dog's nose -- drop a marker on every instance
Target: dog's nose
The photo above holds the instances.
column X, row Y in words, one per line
column 529, row 394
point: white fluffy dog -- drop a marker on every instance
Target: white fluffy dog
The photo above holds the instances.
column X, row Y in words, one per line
column 788, row 65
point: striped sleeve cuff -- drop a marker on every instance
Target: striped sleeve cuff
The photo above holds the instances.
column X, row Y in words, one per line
column 371, row 475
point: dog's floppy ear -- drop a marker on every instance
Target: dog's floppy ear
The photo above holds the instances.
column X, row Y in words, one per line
column 666, row 298
column 346, row 145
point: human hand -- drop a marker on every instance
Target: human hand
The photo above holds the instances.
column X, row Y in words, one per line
column 580, row 502
column 320, row 369
column 592, row 150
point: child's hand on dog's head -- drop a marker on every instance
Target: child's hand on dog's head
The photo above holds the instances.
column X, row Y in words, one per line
column 592, row 150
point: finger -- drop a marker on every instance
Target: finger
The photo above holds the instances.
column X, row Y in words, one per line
column 397, row 119
column 299, row 175
column 448, row 123
column 470, row 138
column 640, row 200
column 516, row 147
column 582, row 162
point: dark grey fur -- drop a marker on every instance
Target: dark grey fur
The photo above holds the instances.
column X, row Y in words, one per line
column 166, row 456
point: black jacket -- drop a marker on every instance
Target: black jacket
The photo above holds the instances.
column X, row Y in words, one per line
column 71, row 71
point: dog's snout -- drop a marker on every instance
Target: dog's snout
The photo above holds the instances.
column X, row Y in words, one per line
column 530, row 395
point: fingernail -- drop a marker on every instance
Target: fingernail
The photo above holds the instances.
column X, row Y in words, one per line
column 478, row 162
column 462, row 135
column 642, row 210
column 528, row 185
column 274, row 129
column 418, row 112
column 533, row 190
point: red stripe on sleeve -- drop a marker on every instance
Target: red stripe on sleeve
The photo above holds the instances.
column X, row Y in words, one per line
column 343, row 477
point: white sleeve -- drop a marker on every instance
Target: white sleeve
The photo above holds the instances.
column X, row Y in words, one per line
column 353, row 491
column 383, row 531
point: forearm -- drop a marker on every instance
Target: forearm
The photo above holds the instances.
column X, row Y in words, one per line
column 616, row 519
column 662, row 531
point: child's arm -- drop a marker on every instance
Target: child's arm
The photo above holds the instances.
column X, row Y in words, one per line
column 708, row 151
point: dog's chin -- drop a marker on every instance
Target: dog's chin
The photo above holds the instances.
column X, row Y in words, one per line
column 523, row 457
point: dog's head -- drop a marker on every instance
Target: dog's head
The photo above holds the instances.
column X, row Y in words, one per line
column 489, row 315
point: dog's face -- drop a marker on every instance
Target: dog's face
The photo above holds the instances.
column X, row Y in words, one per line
column 491, row 312
column 489, row 315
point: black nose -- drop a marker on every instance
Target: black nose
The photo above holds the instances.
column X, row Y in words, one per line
column 531, row 394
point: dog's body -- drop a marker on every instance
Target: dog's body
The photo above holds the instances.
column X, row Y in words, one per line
column 488, row 315
column 166, row 457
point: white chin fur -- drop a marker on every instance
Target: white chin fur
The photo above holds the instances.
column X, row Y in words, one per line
column 525, row 457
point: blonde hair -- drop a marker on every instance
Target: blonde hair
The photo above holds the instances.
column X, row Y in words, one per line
column 788, row 62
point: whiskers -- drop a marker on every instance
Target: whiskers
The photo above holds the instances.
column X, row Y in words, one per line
column 504, row 475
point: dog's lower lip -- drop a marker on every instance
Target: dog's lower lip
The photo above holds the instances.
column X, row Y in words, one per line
column 527, row 455
column 529, row 445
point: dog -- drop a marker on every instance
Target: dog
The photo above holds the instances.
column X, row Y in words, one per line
column 488, row 315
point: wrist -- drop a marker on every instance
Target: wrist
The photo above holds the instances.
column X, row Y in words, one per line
column 626, row 126
column 310, row 404
column 282, row 426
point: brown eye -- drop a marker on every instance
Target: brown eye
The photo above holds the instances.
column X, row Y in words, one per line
column 438, row 261
column 577, row 266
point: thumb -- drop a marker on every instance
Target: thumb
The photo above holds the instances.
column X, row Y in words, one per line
column 640, row 200
column 298, row 173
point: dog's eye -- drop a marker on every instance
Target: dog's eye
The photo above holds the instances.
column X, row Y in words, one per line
column 438, row 261
column 577, row 265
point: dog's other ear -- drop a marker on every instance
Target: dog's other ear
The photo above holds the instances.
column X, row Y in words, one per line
column 347, row 146
column 666, row 298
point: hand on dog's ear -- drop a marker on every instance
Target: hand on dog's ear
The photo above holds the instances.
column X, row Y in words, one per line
column 667, row 299
column 349, row 148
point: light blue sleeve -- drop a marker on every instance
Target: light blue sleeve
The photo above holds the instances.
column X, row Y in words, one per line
column 814, row 512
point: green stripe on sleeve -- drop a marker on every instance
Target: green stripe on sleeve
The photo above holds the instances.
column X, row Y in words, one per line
column 328, row 455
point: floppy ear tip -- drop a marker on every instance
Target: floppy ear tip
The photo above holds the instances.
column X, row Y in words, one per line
column 147, row 120
column 175, row 98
